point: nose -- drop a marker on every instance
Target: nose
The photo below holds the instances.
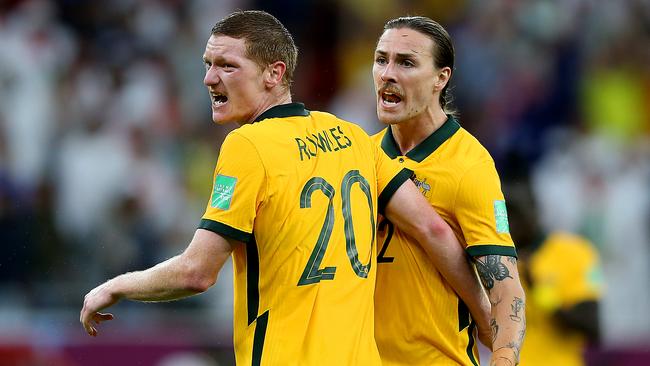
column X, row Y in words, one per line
column 211, row 77
column 388, row 73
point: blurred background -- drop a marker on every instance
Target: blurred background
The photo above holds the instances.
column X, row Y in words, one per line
column 107, row 150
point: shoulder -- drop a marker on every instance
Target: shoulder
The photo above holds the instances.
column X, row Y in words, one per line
column 470, row 147
column 242, row 135
column 378, row 137
column 347, row 127
column 465, row 155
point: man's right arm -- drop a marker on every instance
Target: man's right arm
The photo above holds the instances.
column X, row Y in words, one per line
column 412, row 214
column 186, row 274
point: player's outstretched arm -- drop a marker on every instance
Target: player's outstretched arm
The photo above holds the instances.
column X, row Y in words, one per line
column 411, row 212
column 500, row 278
column 186, row 274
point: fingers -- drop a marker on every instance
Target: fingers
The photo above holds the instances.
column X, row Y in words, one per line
column 90, row 314
column 100, row 317
column 87, row 321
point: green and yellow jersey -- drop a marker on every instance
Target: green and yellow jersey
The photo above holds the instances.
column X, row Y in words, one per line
column 419, row 319
column 302, row 189
column 563, row 271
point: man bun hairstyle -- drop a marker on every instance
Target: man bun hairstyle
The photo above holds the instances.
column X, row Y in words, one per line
column 267, row 40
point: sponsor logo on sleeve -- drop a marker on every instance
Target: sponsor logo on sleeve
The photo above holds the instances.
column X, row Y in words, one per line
column 501, row 215
column 224, row 187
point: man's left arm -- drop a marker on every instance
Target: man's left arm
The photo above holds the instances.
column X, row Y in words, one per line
column 500, row 278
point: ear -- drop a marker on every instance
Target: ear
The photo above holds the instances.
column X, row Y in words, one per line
column 442, row 78
column 273, row 74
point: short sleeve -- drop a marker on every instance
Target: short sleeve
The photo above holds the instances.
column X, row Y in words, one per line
column 481, row 212
column 238, row 188
column 390, row 176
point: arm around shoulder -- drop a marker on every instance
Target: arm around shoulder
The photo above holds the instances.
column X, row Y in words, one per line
column 412, row 214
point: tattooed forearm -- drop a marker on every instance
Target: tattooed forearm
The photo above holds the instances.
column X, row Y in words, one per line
column 495, row 329
column 491, row 269
column 517, row 305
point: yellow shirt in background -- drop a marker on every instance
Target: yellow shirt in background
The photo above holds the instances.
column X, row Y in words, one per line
column 564, row 271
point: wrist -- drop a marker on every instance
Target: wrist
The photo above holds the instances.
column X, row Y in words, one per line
column 113, row 289
column 504, row 356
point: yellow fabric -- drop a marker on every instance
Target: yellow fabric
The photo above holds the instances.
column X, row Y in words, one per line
column 418, row 319
column 565, row 271
column 311, row 319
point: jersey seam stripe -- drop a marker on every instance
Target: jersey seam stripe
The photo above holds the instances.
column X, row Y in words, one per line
column 480, row 250
column 470, row 343
column 224, row 229
column 258, row 338
column 464, row 319
column 392, row 187
column 252, row 281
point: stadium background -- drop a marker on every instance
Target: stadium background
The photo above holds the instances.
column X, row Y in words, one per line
column 107, row 149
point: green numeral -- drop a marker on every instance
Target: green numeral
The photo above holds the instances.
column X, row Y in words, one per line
column 312, row 272
column 352, row 177
column 381, row 257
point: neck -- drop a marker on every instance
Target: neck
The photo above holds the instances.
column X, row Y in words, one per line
column 269, row 102
column 410, row 133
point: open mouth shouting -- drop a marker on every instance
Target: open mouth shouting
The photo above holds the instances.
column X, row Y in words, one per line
column 389, row 98
column 218, row 99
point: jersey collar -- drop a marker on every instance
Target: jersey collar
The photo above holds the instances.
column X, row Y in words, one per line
column 424, row 148
column 284, row 110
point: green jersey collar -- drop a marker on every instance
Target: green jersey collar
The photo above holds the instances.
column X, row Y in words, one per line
column 424, row 148
column 284, row 110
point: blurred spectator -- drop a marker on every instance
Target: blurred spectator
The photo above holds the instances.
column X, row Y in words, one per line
column 562, row 278
column 35, row 48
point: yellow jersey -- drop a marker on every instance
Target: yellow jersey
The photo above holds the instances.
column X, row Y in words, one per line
column 419, row 319
column 564, row 271
column 302, row 189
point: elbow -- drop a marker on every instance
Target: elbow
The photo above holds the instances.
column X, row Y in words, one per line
column 433, row 234
column 197, row 280
column 438, row 229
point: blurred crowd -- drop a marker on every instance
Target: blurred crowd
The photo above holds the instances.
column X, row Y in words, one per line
column 107, row 147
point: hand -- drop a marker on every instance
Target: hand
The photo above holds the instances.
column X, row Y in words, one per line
column 97, row 299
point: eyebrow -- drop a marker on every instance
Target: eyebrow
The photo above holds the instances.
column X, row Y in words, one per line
column 400, row 56
column 215, row 59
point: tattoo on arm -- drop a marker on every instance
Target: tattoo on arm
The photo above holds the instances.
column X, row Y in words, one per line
column 492, row 269
column 517, row 305
column 495, row 329
column 512, row 260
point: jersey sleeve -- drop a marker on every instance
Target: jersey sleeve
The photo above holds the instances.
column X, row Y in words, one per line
column 238, row 188
column 565, row 271
column 481, row 212
column 390, row 176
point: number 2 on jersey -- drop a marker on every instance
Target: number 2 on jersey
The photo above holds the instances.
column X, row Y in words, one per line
column 312, row 272
column 390, row 229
